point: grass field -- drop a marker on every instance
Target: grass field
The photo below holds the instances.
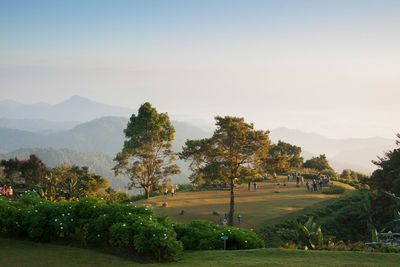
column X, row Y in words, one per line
column 257, row 208
column 26, row 253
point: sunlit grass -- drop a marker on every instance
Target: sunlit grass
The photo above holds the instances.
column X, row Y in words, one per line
column 26, row 253
column 257, row 208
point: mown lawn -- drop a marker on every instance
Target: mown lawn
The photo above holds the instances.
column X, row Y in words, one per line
column 26, row 253
column 257, row 208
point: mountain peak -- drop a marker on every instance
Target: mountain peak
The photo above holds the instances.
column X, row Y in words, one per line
column 77, row 98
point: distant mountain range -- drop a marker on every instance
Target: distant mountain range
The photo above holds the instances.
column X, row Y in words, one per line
column 81, row 125
column 101, row 138
column 76, row 108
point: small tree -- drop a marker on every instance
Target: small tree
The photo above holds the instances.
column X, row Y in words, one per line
column 233, row 153
column 319, row 163
column 282, row 157
column 147, row 156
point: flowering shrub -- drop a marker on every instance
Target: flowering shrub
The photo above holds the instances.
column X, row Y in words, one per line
column 92, row 222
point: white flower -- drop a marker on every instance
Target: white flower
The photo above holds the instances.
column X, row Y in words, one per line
column 124, row 225
column 154, row 234
column 35, row 210
column 68, row 213
column 140, row 223
column 98, row 235
column 130, row 213
column 104, row 215
column 72, row 220
column 70, row 207
column 245, row 241
column 60, row 223
column 222, row 233
column 62, row 214
column 55, row 220
column 94, row 207
column 61, row 227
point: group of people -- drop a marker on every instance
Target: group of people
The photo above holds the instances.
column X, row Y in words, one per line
column 173, row 191
column 225, row 220
column 313, row 186
column 296, row 176
column 6, row 191
column 254, row 184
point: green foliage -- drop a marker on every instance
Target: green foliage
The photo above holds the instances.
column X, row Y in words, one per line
column 91, row 222
column 146, row 157
column 334, row 189
column 282, row 157
column 319, row 163
column 310, row 175
column 353, row 175
column 346, row 218
column 309, row 234
column 204, row 235
column 100, row 163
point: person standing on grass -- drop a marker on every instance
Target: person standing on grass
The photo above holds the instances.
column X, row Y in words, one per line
column 255, row 185
column 302, row 180
column 165, row 191
column 172, row 191
column 249, row 185
column 239, row 219
column 308, row 186
column 298, row 179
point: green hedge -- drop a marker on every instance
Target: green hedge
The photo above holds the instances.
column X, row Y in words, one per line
column 91, row 222
column 94, row 223
column 309, row 175
column 205, row 235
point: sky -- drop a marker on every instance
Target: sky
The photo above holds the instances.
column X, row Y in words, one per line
column 330, row 67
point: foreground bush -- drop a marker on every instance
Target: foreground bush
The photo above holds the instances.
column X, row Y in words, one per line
column 204, row 235
column 91, row 222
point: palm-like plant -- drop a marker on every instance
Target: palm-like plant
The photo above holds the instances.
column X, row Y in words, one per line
column 311, row 232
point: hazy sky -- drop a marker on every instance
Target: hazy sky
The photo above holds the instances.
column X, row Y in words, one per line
column 331, row 67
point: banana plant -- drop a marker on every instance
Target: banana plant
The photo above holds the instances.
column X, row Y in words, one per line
column 312, row 233
column 394, row 223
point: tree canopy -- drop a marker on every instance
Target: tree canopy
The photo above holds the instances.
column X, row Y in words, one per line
column 282, row 157
column 234, row 152
column 146, row 157
column 319, row 163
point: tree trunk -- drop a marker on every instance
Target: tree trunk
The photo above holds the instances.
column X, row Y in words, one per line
column 147, row 192
column 232, row 206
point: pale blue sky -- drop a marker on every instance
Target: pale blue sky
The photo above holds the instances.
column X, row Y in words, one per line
column 331, row 67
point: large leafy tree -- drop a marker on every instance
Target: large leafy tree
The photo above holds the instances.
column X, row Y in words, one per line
column 234, row 152
column 319, row 163
column 147, row 157
column 282, row 157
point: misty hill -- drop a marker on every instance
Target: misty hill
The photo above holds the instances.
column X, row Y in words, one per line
column 99, row 163
column 37, row 126
column 75, row 108
column 100, row 135
column 353, row 153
